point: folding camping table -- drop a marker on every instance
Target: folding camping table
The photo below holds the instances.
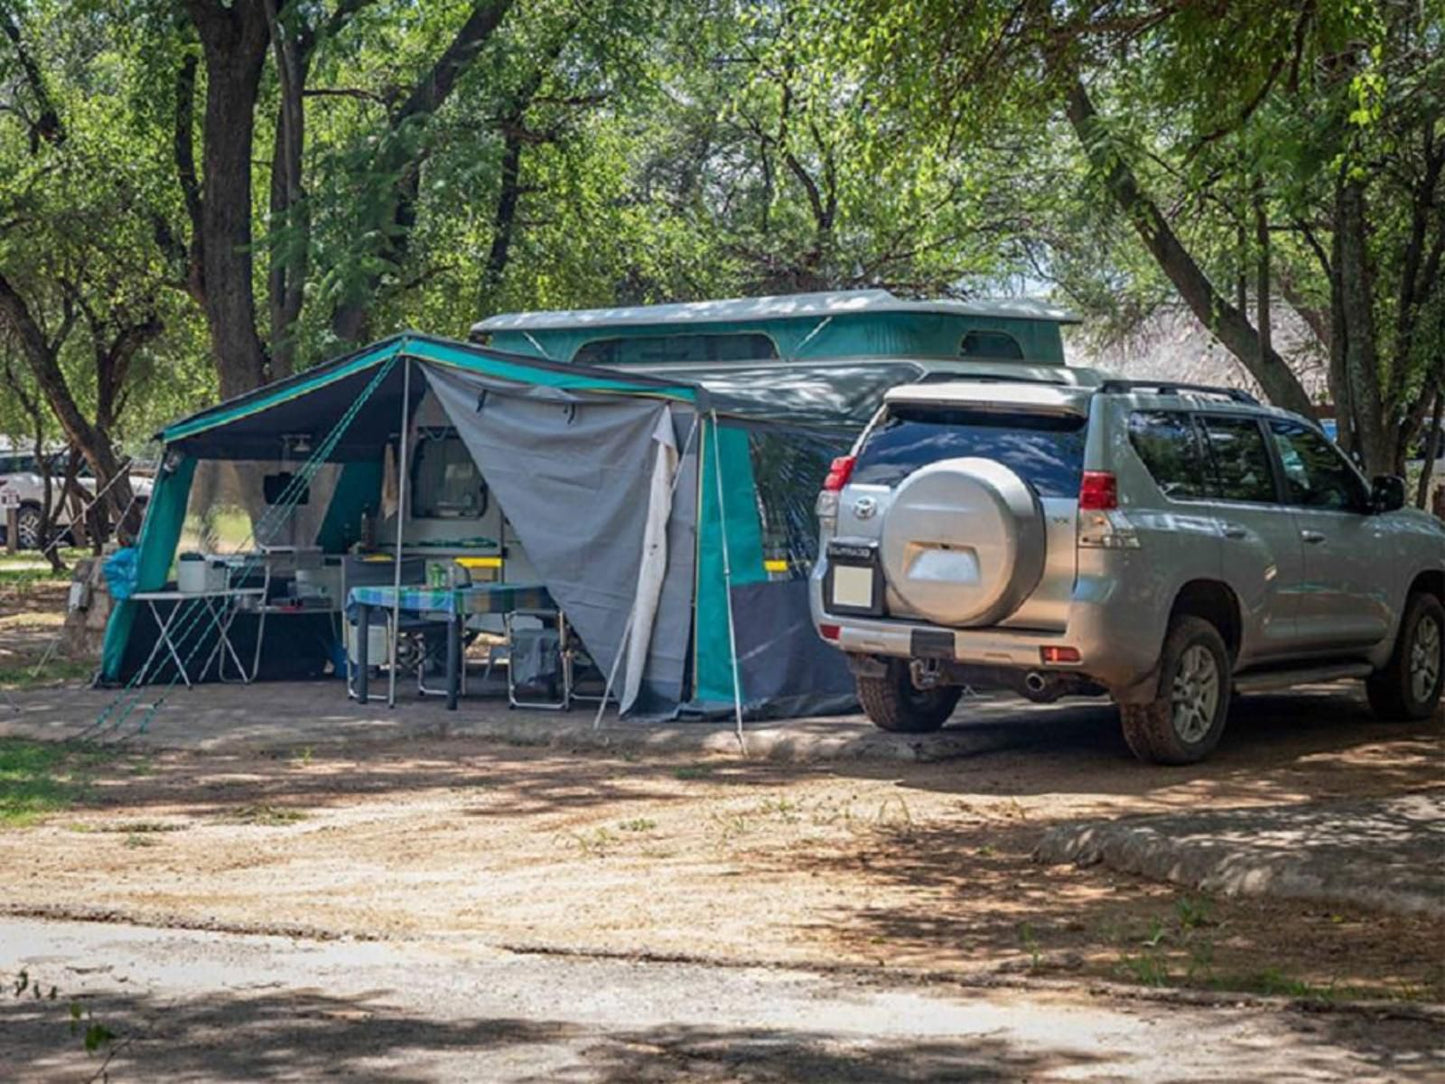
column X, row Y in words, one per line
column 450, row 604
column 218, row 611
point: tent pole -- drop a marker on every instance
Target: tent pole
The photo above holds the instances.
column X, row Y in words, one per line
column 728, row 586
column 400, row 524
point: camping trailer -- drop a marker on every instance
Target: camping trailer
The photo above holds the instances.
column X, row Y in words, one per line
column 535, row 448
column 857, row 325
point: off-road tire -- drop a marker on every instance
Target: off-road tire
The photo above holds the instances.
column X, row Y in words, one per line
column 895, row 704
column 1149, row 728
column 1391, row 688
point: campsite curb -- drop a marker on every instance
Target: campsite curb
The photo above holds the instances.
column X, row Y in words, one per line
column 1378, row 855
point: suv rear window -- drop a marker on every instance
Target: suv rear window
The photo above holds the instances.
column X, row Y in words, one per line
column 1045, row 450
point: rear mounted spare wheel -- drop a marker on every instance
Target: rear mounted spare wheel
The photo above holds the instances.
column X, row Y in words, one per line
column 964, row 542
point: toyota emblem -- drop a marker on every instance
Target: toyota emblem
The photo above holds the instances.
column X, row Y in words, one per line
column 864, row 507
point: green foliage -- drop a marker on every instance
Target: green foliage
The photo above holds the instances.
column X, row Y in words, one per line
column 636, row 151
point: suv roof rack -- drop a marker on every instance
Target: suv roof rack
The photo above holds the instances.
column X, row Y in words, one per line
column 1174, row 387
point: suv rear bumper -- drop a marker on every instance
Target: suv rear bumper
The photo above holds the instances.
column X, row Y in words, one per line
column 1117, row 649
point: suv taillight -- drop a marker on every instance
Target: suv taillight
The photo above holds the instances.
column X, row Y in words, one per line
column 839, row 473
column 1099, row 492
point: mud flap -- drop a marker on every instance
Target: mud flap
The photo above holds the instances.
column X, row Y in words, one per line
column 867, row 666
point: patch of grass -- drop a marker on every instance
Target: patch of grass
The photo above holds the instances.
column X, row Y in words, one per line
column 1194, row 912
column 731, row 825
column 25, row 568
column 1150, row 968
column 135, row 828
column 694, row 771
column 55, row 671
column 1273, row 981
column 594, row 844
column 638, row 824
column 39, row 778
column 1030, row 942
column 783, row 808
column 266, row 816
column 1201, row 959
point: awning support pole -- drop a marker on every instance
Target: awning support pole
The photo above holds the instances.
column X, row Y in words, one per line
column 728, row 586
column 400, row 525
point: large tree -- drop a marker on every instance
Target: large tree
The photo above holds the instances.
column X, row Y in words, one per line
column 82, row 296
column 1261, row 154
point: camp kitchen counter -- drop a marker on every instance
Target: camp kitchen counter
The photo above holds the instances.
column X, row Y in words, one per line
column 450, row 604
column 217, row 609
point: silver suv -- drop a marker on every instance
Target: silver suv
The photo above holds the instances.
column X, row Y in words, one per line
column 1166, row 545
column 24, row 487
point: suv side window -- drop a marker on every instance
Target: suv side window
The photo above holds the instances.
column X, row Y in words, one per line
column 1242, row 468
column 1315, row 474
column 1169, row 446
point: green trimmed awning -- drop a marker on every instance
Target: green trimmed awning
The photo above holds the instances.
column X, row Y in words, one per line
column 425, row 348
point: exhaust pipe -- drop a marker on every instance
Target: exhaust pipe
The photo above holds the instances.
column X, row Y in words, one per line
column 1041, row 688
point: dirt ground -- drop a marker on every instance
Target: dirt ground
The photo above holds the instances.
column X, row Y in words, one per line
column 865, row 863
column 872, row 863
column 32, row 613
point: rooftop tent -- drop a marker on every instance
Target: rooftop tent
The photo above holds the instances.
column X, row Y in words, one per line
column 570, row 453
column 841, row 324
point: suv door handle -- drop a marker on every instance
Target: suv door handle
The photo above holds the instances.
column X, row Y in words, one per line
column 1312, row 537
column 1232, row 530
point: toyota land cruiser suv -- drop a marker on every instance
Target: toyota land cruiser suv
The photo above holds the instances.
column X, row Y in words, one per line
column 1168, row 545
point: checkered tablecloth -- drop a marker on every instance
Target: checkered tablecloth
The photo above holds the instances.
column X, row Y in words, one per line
column 480, row 598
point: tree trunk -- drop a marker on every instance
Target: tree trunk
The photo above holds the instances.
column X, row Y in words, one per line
column 1262, row 284
column 1432, row 449
column 234, row 38
column 289, row 216
column 1225, row 321
column 43, row 359
column 504, row 219
column 1373, row 431
column 47, row 499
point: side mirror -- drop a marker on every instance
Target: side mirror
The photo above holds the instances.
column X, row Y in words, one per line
column 1387, row 493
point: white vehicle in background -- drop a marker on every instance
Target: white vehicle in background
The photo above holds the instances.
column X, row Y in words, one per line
column 22, row 486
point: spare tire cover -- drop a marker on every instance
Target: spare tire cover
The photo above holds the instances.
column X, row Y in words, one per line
column 963, row 542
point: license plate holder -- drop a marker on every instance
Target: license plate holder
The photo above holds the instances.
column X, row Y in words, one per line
column 853, row 583
column 931, row 644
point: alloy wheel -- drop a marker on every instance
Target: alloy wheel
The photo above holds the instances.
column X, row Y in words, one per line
column 1194, row 699
column 1425, row 659
column 27, row 529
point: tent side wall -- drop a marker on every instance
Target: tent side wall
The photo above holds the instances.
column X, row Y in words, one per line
column 731, row 520
column 161, row 531
column 784, row 668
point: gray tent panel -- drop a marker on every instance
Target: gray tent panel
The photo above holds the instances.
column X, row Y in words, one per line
column 572, row 475
column 787, row 669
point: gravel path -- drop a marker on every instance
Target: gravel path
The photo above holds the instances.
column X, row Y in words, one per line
column 206, row 1007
